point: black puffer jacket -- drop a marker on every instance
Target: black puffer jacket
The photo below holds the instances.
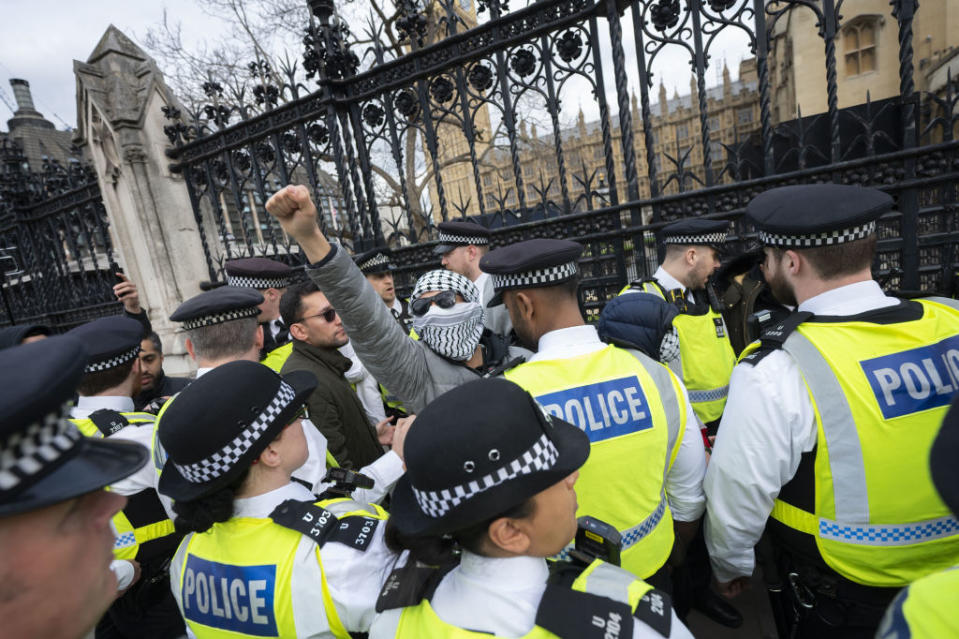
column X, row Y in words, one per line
column 637, row 320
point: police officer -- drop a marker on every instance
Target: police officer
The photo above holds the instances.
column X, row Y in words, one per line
column 630, row 406
column 262, row 559
column 830, row 419
column 55, row 529
column 377, row 266
column 480, row 520
column 702, row 355
column 144, row 531
column 221, row 327
column 925, row 609
column 462, row 245
column 680, row 308
column 271, row 278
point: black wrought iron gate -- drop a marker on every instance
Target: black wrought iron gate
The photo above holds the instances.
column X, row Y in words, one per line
column 436, row 109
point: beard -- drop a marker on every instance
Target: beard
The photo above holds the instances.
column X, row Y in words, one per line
column 781, row 290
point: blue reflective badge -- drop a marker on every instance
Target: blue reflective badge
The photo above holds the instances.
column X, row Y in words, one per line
column 604, row 410
column 915, row 380
column 237, row 598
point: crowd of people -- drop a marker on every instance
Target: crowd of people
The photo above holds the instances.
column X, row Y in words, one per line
column 478, row 460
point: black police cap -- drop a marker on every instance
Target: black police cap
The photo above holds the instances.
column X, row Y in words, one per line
column 44, row 459
column 374, row 261
column 222, row 304
column 258, row 272
column 242, row 406
column 812, row 215
column 109, row 341
column 460, row 233
column 499, row 449
column 531, row 264
column 696, row 231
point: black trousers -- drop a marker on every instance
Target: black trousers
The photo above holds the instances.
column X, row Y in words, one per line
column 147, row 611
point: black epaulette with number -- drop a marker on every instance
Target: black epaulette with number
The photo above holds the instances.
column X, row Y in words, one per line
column 108, row 421
column 322, row 526
column 571, row 613
column 773, row 337
column 409, row 585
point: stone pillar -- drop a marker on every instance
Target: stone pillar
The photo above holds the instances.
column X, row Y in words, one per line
column 120, row 94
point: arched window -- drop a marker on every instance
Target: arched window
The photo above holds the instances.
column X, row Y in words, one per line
column 860, row 38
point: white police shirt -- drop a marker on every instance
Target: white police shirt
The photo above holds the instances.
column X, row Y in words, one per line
column 768, row 424
column 670, row 283
column 354, row 577
column 499, row 596
column 684, row 483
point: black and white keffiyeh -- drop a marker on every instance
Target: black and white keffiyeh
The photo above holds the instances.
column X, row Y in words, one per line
column 443, row 280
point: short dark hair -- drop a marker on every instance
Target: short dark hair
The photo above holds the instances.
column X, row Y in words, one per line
column 838, row 260
column 155, row 339
column 291, row 304
column 95, row 383
column 223, row 340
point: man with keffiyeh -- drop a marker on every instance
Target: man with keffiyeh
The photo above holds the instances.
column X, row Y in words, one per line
column 447, row 313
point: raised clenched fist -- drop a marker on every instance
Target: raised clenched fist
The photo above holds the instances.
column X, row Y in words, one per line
column 295, row 211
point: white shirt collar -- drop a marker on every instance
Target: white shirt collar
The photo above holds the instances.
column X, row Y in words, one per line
column 522, row 572
column 850, row 299
column 262, row 505
column 568, row 342
column 87, row 405
column 200, row 372
column 397, row 306
column 479, row 281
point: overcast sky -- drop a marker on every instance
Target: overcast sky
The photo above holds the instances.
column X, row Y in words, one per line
column 39, row 39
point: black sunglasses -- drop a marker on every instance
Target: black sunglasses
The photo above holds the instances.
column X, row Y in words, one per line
column 444, row 299
column 328, row 315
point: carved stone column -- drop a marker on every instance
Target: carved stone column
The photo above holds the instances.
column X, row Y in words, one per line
column 120, row 94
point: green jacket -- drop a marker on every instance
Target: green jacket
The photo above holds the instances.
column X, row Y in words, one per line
column 334, row 407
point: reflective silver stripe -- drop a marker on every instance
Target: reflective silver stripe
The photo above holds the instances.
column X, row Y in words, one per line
column 945, row 301
column 711, row 395
column 842, row 439
column 889, row 534
column 668, row 397
column 610, row 581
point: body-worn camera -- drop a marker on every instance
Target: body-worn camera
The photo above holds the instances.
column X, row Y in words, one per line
column 345, row 481
column 598, row 540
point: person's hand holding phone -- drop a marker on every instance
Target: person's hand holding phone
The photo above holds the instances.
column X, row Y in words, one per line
column 126, row 292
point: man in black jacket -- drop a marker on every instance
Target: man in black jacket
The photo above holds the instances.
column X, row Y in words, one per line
column 317, row 333
column 154, row 383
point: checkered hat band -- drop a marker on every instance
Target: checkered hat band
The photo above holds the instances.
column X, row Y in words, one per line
column 257, row 282
column 829, row 238
column 539, row 277
column 116, row 360
column 541, row 456
column 377, row 260
column 219, row 318
column 28, row 452
column 443, row 280
column 220, row 462
column 450, row 238
column 706, row 238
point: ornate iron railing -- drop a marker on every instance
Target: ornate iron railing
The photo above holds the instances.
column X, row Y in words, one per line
column 56, row 257
column 423, row 112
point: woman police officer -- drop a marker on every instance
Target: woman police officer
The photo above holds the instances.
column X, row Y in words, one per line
column 262, row 559
column 487, row 496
